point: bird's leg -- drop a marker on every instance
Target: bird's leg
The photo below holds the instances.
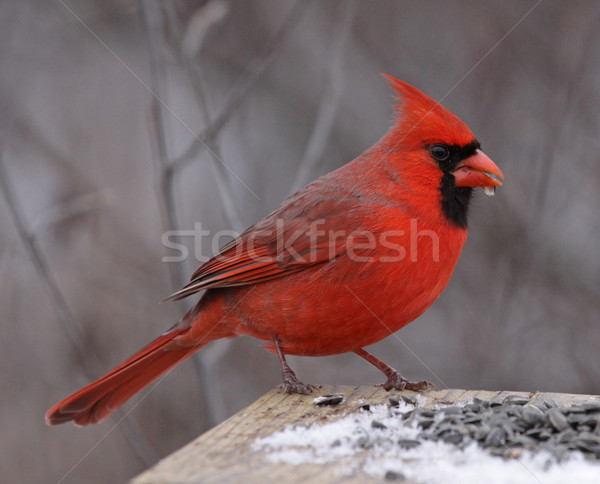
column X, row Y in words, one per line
column 291, row 384
column 394, row 378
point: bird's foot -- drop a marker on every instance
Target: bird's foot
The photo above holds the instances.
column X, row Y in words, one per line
column 398, row 382
column 291, row 384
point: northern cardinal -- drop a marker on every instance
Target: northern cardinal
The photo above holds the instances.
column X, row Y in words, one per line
column 344, row 262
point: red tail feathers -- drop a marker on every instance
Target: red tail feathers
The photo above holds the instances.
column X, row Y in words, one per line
column 98, row 400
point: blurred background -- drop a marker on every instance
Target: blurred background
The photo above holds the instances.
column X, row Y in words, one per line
column 115, row 115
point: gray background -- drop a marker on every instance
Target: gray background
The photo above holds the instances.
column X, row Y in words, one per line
column 297, row 87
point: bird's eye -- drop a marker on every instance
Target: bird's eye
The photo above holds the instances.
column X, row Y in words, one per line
column 440, row 152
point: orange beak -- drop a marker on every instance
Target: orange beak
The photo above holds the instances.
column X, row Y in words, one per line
column 478, row 171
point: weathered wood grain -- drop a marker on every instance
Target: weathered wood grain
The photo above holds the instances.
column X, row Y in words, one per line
column 224, row 453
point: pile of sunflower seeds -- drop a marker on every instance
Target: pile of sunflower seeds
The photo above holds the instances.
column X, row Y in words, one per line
column 508, row 426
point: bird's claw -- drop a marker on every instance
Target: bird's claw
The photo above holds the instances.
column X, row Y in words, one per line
column 397, row 382
column 291, row 384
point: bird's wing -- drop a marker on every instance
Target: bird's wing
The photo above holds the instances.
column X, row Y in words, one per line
column 292, row 238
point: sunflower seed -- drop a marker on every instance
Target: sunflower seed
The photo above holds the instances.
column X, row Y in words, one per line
column 394, row 476
column 472, row 419
column 425, row 423
column 481, row 433
column 532, row 415
column 408, row 415
column 329, row 400
column 588, row 447
column 496, row 438
column 408, row 443
column 557, row 419
column 589, row 437
column 483, row 403
column 539, row 433
column 525, row 441
column 543, row 402
column 515, row 400
column 566, row 436
column 451, row 410
column 453, row 438
column 376, row 424
column 561, row 452
column 577, row 418
column 590, row 423
column 591, row 407
column 473, row 407
column 573, row 409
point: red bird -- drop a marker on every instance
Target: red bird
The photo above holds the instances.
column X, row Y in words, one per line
column 341, row 264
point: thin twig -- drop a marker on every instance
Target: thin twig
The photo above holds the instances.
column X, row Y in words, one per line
column 70, row 325
column 330, row 100
column 192, row 70
column 151, row 17
column 573, row 89
column 165, row 186
column 523, row 260
column 206, row 362
column 88, row 360
column 139, row 79
column 243, row 85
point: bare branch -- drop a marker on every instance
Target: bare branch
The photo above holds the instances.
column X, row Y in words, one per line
column 206, row 363
column 199, row 24
column 243, row 85
column 166, row 196
column 165, row 188
column 559, row 127
column 330, row 100
column 193, row 71
column 65, row 315
column 523, row 262
column 88, row 360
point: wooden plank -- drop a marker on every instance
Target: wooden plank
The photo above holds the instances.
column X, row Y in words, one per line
column 224, row 453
